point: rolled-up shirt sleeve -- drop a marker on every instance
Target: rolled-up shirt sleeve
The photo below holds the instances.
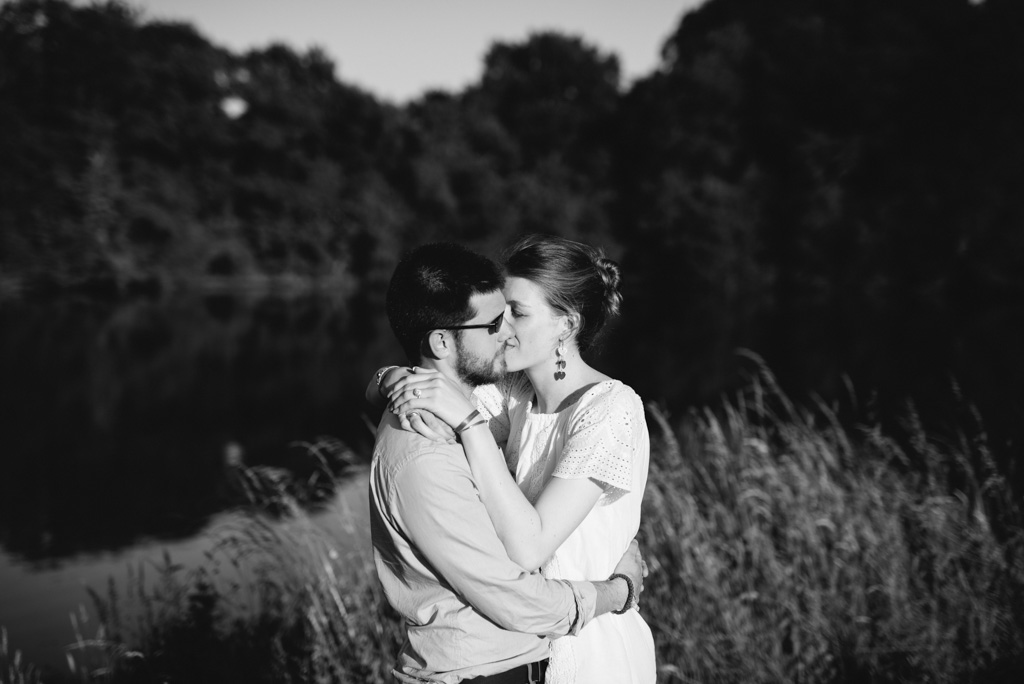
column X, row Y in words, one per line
column 438, row 504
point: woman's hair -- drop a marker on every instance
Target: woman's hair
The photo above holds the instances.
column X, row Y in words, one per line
column 575, row 278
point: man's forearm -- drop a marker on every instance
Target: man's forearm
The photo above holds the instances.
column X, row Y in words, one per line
column 611, row 595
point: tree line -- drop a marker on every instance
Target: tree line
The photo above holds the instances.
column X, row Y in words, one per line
column 847, row 152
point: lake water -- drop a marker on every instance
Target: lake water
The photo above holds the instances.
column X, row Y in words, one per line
column 40, row 599
column 118, row 421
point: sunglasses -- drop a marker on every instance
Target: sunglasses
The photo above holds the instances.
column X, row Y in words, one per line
column 492, row 328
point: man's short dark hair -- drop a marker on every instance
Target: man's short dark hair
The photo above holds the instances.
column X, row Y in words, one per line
column 431, row 288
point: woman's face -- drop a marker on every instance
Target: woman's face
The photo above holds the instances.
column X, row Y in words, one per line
column 538, row 326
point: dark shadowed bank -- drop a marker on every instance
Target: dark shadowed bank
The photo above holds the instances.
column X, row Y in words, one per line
column 783, row 547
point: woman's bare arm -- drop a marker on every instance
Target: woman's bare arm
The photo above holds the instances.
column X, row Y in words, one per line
column 530, row 534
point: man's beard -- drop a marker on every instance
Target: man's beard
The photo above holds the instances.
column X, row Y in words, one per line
column 476, row 371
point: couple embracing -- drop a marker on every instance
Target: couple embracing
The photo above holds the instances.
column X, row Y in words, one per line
column 508, row 474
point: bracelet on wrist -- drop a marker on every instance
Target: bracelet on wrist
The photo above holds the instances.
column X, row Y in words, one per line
column 630, row 596
column 469, row 422
column 380, row 378
column 478, row 421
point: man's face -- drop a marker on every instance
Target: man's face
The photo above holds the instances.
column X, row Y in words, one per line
column 480, row 354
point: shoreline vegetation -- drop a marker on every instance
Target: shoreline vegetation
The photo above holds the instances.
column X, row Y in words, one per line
column 783, row 545
column 340, row 284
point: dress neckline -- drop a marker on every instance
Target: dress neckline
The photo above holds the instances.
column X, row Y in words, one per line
column 533, row 400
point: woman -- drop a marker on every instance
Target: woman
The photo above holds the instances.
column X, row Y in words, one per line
column 577, row 445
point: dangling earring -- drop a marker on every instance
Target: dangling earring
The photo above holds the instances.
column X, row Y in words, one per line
column 560, row 361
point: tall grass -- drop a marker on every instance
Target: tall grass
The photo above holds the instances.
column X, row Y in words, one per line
column 787, row 548
column 275, row 601
column 784, row 547
column 13, row 670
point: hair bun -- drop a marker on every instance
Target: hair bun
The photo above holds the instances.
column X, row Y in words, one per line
column 576, row 280
column 610, row 274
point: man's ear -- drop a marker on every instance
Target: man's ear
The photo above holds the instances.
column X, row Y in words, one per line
column 439, row 344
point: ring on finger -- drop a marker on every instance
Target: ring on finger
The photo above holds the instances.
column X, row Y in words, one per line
column 417, row 393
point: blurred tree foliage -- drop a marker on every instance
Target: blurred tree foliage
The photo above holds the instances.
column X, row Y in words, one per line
column 834, row 154
column 837, row 158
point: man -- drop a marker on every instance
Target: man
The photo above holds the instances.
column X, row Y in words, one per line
column 471, row 613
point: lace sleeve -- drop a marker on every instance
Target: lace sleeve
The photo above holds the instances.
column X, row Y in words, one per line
column 603, row 438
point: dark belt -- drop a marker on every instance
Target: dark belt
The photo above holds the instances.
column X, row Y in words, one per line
column 530, row 673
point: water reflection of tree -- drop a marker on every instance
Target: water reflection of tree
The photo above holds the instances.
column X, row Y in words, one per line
column 124, row 420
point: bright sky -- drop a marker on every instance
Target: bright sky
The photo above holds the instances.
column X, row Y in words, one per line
column 398, row 49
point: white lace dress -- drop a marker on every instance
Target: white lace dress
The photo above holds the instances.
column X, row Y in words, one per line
column 603, row 436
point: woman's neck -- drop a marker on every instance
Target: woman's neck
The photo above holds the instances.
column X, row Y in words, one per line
column 553, row 394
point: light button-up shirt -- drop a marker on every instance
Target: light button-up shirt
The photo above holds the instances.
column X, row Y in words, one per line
column 469, row 609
